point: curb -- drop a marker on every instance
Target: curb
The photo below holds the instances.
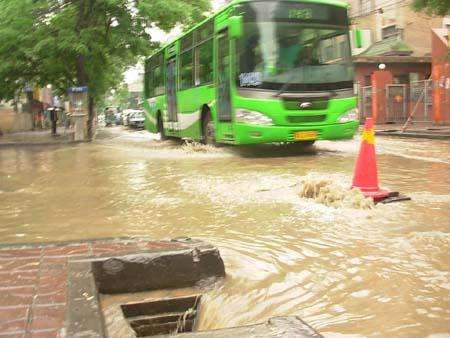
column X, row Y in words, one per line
column 414, row 135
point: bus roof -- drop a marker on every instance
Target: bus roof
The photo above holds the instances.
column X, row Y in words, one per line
column 235, row 2
column 325, row 2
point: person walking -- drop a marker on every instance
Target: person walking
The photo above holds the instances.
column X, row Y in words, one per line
column 54, row 119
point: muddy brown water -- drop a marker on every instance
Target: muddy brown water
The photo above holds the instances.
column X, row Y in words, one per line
column 347, row 272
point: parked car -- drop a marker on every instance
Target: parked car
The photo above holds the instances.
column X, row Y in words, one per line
column 136, row 119
column 118, row 119
column 126, row 116
column 110, row 115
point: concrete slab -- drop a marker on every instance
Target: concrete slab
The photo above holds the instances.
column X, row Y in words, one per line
column 286, row 327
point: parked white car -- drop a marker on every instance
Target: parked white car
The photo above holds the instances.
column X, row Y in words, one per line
column 126, row 114
column 136, row 119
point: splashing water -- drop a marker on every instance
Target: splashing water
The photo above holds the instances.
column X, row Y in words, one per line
column 333, row 193
column 195, row 147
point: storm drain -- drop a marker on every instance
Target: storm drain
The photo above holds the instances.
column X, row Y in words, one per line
column 165, row 316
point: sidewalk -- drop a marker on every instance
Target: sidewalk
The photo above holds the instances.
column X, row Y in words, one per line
column 36, row 137
column 426, row 131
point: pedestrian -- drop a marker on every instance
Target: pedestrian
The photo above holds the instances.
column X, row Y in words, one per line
column 54, row 119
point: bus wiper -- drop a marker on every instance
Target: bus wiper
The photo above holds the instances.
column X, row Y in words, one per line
column 287, row 84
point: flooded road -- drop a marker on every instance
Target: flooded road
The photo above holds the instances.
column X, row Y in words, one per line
column 348, row 272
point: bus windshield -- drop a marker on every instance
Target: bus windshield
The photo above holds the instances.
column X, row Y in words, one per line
column 304, row 53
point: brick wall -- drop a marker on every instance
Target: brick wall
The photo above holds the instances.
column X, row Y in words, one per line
column 441, row 76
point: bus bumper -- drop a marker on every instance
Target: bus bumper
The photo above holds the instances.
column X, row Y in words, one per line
column 254, row 134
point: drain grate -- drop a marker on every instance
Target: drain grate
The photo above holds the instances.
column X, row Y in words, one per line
column 165, row 316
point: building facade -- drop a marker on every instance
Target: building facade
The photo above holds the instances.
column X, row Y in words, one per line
column 393, row 35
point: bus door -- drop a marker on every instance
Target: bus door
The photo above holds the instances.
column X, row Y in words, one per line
column 171, row 90
column 224, row 127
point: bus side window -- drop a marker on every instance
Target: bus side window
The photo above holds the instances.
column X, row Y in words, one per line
column 150, row 90
column 158, row 81
column 147, row 79
column 187, row 70
column 205, row 62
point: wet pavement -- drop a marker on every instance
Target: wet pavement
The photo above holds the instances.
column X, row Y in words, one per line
column 36, row 137
column 347, row 272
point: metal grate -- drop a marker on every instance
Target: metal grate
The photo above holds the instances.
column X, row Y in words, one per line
column 165, row 316
column 306, row 118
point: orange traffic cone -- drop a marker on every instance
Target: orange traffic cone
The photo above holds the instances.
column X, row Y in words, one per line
column 366, row 174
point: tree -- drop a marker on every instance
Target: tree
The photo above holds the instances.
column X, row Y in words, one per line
column 433, row 7
column 120, row 96
column 81, row 42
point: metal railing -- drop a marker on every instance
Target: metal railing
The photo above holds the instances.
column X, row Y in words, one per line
column 421, row 94
column 403, row 101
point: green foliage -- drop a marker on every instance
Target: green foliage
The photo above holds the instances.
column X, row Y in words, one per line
column 120, row 97
column 81, row 42
column 433, row 7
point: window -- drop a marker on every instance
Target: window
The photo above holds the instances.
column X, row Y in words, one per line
column 389, row 31
column 413, row 77
column 154, row 76
column 401, row 79
column 148, row 82
column 365, row 6
column 204, row 33
column 196, row 59
column 271, row 53
column 158, row 80
column 205, row 62
column 187, row 62
column 187, row 42
column 186, row 70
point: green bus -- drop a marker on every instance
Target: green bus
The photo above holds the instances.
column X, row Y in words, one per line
column 256, row 72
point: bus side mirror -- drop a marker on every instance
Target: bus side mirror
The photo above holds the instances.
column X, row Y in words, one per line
column 235, row 26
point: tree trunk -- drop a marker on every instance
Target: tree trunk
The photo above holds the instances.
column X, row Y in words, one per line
column 16, row 103
column 83, row 81
column 82, row 76
column 91, row 115
column 30, row 108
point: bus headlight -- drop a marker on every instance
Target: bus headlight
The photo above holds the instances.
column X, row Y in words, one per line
column 252, row 117
column 351, row 115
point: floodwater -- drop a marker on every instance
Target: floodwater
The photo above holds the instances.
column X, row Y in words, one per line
column 383, row 272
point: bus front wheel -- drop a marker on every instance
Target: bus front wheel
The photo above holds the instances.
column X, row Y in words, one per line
column 208, row 130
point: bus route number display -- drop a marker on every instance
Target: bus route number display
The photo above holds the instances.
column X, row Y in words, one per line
column 300, row 14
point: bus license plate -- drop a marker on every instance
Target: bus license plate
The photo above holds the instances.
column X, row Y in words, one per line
column 305, row 135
